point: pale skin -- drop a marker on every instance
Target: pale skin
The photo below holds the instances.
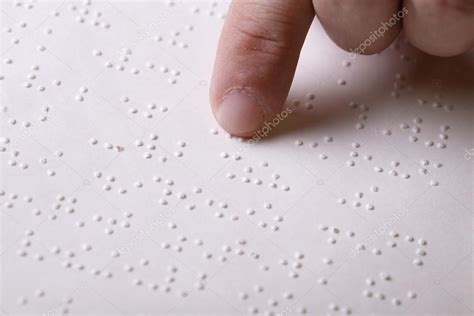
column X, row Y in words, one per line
column 261, row 41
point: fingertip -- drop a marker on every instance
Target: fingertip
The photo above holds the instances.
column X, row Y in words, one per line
column 239, row 113
column 256, row 60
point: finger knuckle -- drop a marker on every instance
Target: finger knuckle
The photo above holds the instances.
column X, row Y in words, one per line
column 264, row 30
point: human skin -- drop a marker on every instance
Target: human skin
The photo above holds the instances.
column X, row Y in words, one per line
column 261, row 41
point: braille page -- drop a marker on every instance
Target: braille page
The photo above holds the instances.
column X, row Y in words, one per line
column 120, row 194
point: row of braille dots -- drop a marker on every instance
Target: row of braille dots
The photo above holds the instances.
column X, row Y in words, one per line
column 24, row 165
column 436, row 105
column 167, row 192
column 192, row 206
column 315, row 144
column 69, row 254
column 226, row 155
column 357, row 203
column 139, row 184
column 334, row 232
column 109, row 230
column 9, row 61
column 214, row 131
column 15, row 41
column 58, row 204
column 384, row 277
column 62, row 308
column 207, row 255
column 112, row 222
column 44, row 161
column 168, row 279
column 80, row 96
column 110, row 179
column 420, row 251
column 14, row 153
column 362, row 116
column 24, row 4
column 399, row 84
column 173, row 40
column 32, row 75
column 308, row 103
column 295, row 265
column 393, row 172
column 272, row 303
column 136, row 71
column 211, row 12
column 146, row 113
column 344, row 310
column 150, row 147
column 415, row 130
column 84, row 12
column 221, row 213
column 264, row 224
column 39, row 294
column 13, row 197
column 423, row 170
column 26, row 124
column 109, row 146
column 26, row 243
column 258, row 181
column 355, row 154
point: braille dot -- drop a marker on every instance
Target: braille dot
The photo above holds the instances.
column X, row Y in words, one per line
column 333, row 307
column 422, row 242
column 420, row 252
column 376, row 251
column 380, row 296
column 418, row 262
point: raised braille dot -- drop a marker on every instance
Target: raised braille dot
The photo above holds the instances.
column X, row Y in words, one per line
column 418, row 262
column 420, row 252
column 379, row 296
column 376, row 251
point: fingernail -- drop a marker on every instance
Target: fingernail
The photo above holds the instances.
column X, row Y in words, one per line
column 239, row 114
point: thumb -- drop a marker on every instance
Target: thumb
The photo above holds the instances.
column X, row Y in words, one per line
column 256, row 61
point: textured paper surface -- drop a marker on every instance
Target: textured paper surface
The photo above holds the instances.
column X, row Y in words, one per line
column 121, row 195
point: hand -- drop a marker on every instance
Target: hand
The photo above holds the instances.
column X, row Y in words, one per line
column 261, row 41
